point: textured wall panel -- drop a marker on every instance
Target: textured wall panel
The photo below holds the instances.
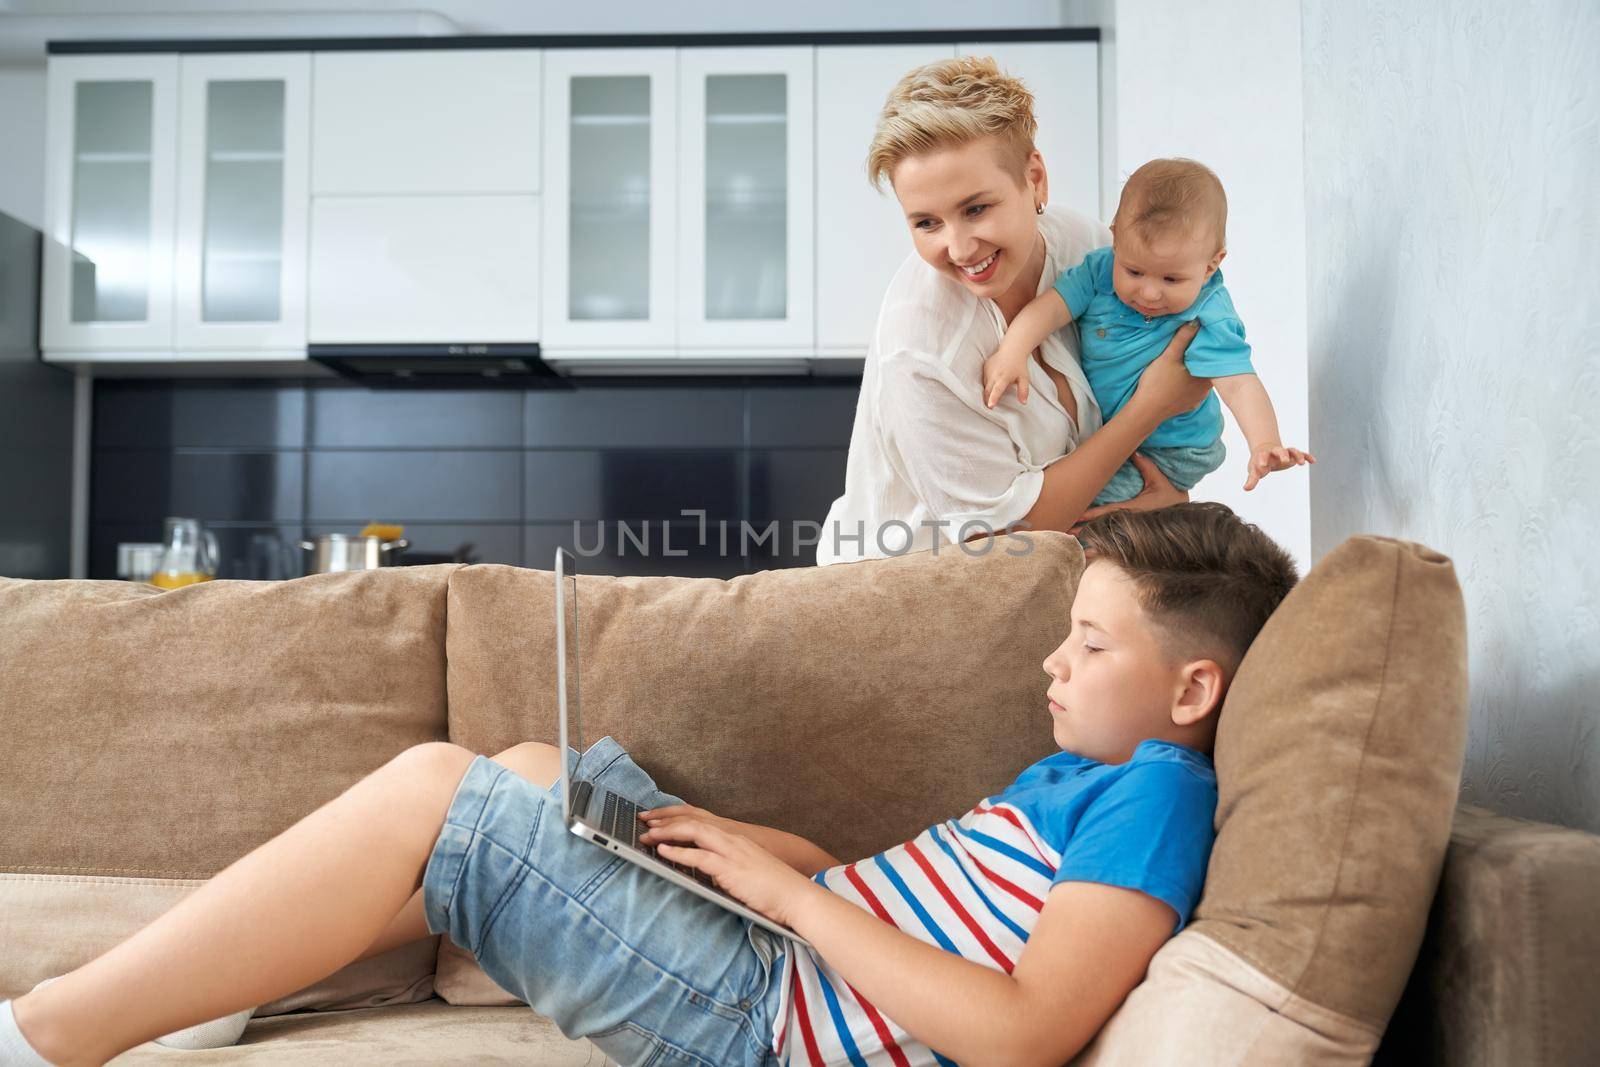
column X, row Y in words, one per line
column 1452, row 162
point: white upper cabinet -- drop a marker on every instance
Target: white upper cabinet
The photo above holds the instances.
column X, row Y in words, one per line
column 110, row 192
column 424, row 269
column 427, row 121
column 610, row 202
column 862, row 236
column 664, row 210
column 1064, row 77
column 243, row 167
column 746, row 202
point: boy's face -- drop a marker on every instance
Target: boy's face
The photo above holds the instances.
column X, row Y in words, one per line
column 1112, row 685
column 971, row 219
column 1161, row 277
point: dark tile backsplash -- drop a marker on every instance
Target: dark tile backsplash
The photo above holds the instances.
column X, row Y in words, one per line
column 487, row 476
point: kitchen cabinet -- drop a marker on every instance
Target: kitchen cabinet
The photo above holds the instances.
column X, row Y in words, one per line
column 746, row 202
column 243, row 167
column 695, row 209
column 861, row 234
column 421, row 269
column 610, row 203
column 453, row 121
column 111, row 203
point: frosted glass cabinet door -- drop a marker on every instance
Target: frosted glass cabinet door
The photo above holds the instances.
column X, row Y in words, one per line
column 746, row 201
column 610, row 201
column 109, row 190
column 243, row 198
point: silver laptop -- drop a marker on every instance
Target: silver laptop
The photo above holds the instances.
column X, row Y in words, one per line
column 597, row 814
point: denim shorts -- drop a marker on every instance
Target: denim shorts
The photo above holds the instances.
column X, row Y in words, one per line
column 646, row 970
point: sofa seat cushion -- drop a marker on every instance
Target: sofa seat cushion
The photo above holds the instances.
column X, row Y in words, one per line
column 429, row 1034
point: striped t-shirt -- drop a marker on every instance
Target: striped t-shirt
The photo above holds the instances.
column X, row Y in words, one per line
column 975, row 885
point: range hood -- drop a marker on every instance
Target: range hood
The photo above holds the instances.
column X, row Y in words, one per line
column 434, row 366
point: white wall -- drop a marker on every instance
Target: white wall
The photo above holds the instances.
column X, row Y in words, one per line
column 22, row 142
column 1452, row 154
column 1221, row 83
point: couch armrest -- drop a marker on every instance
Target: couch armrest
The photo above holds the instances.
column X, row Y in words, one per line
column 1509, row 971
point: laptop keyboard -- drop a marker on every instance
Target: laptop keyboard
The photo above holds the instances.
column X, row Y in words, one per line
column 619, row 819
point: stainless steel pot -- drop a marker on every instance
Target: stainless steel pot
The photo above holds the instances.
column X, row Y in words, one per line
column 347, row 552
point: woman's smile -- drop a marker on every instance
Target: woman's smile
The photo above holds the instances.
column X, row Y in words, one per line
column 984, row 269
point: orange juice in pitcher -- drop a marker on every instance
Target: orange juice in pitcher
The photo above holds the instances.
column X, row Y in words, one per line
column 190, row 556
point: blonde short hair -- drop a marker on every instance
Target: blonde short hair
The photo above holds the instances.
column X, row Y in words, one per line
column 1174, row 196
column 950, row 103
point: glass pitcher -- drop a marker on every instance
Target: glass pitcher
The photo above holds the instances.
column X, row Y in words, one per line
column 190, row 555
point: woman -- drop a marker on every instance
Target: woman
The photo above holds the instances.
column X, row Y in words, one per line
column 929, row 462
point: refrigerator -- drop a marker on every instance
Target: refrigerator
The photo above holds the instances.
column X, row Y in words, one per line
column 36, row 429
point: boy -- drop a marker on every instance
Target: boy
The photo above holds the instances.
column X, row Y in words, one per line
column 1168, row 239
column 1170, row 601
column 1007, row 936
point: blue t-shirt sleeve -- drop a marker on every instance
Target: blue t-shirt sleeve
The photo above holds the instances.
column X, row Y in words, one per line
column 1151, row 830
column 1076, row 285
column 1219, row 349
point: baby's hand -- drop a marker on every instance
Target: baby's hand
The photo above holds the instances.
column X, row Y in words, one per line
column 1000, row 371
column 1274, row 457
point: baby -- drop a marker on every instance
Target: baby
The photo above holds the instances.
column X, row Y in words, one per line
column 1168, row 238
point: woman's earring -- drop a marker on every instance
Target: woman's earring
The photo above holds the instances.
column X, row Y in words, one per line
column 1038, row 209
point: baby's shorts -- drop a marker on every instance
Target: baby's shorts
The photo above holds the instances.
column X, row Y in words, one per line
column 646, row 970
column 1184, row 467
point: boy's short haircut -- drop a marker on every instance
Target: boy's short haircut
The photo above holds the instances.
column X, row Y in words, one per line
column 1174, row 196
column 1205, row 577
column 950, row 103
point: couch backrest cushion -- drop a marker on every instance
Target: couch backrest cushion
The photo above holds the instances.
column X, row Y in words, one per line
column 853, row 704
column 1338, row 761
column 159, row 736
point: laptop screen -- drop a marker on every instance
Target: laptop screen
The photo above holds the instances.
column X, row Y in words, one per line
column 567, row 672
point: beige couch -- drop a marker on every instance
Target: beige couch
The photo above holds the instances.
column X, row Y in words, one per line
column 151, row 738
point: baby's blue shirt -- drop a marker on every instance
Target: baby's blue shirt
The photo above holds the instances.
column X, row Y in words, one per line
column 1118, row 343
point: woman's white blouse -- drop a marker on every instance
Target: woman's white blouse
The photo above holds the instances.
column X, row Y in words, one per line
column 927, row 457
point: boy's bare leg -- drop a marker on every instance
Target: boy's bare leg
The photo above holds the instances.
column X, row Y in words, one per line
column 534, row 761
column 292, row 911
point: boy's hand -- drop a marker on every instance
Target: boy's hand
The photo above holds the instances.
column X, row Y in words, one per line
column 672, row 811
column 736, row 863
column 1274, row 457
column 1001, row 370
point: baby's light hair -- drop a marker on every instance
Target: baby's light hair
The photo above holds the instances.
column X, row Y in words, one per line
column 1174, row 196
column 950, row 103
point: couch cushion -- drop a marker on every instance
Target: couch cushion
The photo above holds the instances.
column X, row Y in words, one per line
column 854, row 705
column 1338, row 760
column 429, row 1034
column 153, row 737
